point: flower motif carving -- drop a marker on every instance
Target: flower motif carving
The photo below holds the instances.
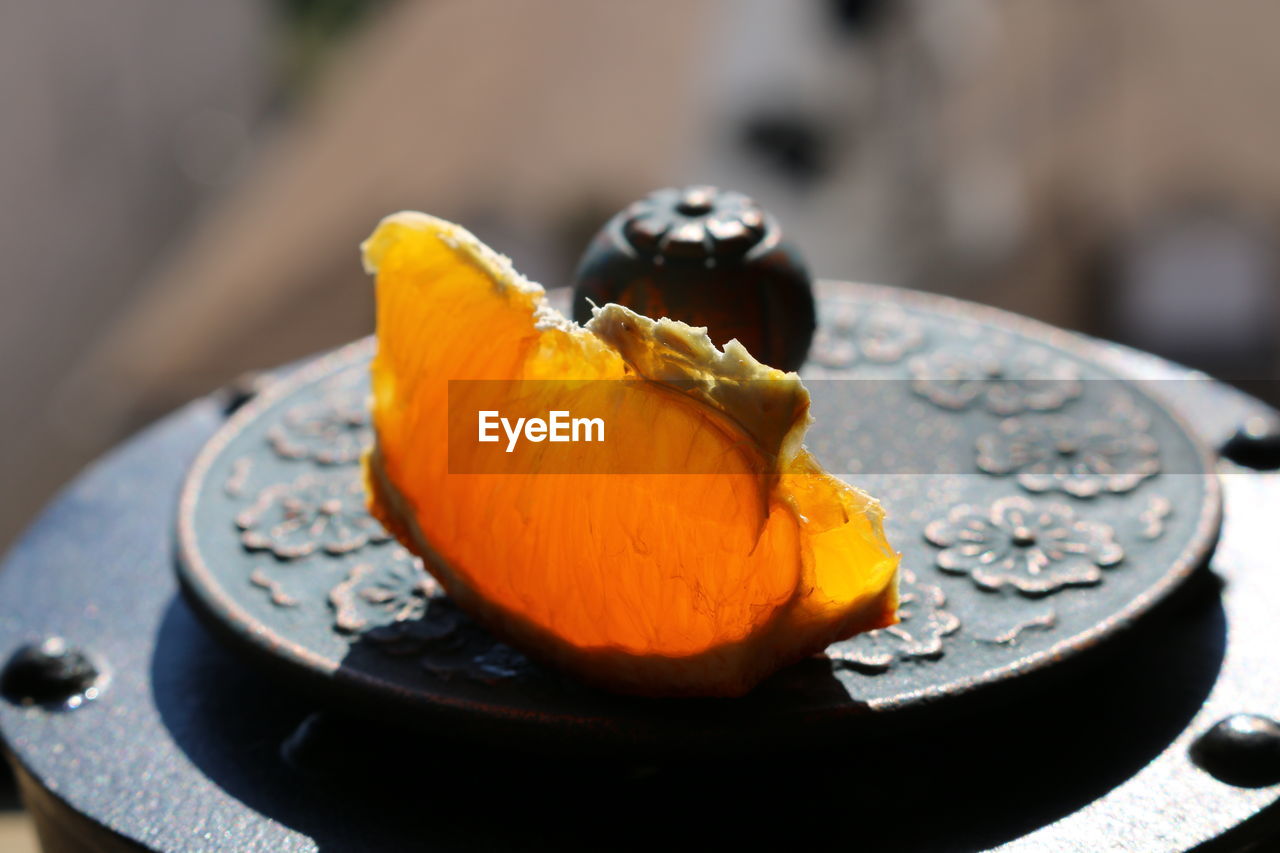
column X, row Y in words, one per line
column 313, row 513
column 278, row 595
column 1081, row 458
column 395, row 605
column 236, row 481
column 883, row 336
column 1036, row 548
column 335, row 430
column 833, row 343
column 1005, row 383
column 923, row 623
column 397, row 589
column 1046, row 620
column 1154, row 517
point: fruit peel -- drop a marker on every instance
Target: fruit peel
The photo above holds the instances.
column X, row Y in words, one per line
column 844, row 577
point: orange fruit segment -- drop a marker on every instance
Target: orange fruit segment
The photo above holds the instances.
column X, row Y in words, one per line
column 605, row 559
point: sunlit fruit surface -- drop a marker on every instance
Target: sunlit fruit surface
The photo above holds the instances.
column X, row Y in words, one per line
column 693, row 551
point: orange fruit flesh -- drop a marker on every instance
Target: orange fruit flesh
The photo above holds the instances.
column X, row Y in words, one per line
column 647, row 582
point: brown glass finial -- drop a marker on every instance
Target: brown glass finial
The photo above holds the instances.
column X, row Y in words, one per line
column 709, row 258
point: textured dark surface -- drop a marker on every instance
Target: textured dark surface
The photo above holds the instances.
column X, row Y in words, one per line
column 189, row 749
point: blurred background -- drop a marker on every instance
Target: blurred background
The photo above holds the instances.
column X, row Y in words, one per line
column 184, row 183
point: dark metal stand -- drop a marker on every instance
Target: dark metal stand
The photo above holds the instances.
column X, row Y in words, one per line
column 184, row 747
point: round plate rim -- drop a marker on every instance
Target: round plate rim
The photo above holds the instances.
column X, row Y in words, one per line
column 224, row 614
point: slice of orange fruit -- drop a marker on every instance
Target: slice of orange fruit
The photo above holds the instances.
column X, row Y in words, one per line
column 603, row 559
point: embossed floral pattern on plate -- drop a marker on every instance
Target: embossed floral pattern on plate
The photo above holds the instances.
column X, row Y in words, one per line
column 334, row 430
column 883, row 335
column 1035, row 547
column 923, row 623
column 316, row 512
column 1005, row 382
column 1065, row 454
column 394, row 589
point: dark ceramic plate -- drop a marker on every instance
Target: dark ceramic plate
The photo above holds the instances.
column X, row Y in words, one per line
column 1041, row 503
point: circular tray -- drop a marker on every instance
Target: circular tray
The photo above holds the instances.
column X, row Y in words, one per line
column 1040, row 501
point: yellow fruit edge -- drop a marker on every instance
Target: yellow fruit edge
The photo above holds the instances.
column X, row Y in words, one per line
column 657, row 350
